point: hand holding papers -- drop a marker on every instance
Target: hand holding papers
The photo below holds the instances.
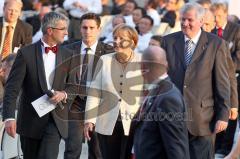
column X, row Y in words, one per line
column 43, row 105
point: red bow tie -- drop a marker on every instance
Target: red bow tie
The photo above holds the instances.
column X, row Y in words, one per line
column 54, row 49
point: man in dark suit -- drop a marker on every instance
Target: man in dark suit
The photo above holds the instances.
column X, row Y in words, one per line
column 14, row 33
column 231, row 33
column 160, row 128
column 198, row 67
column 38, row 68
column 90, row 30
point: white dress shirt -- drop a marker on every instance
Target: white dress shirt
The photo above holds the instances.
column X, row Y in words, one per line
column 143, row 41
column 154, row 15
column 94, row 6
column 91, row 52
column 194, row 40
column 129, row 20
column 49, row 61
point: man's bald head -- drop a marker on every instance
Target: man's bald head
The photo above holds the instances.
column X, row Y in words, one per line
column 154, row 62
column 155, row 54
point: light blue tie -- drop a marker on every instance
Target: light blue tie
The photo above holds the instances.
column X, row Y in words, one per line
column 188, row 51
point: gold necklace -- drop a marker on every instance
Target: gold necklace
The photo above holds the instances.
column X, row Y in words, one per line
column 126, row 60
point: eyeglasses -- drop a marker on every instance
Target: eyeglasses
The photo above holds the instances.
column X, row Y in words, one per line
column 59, row 28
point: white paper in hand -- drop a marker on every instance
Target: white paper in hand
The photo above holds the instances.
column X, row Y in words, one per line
column 42, row 105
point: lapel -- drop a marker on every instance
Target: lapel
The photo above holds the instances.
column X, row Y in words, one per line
column 16, row 34
column 77, row 49
column 98, row 53
column 57, row 72
column 179, row 49
column 1, row 25
column 201, row 46
column 226, row 32
column 40, row 66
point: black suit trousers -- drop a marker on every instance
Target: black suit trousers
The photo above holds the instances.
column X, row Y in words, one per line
column 45, row 148
column 117, row 145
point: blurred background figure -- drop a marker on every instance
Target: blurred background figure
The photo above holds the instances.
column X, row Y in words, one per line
column 151, row 8
column 156, row 40
column 145, row 26
column 118, row 19
column 161, row 7
column 137, row 15
column 233, row 19
column 208, row 21
column 169, row 16
column 14, row 32
column 35, row 21
column 76, row 9
column 106, row 9
column 127, row 10
column 205, row 3
column 6, row 66
column 117, row 6
column 231, row 33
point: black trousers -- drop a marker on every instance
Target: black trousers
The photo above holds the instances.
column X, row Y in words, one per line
column 201, row 147
column 73, row 143
column 117, row 145
column 45, row 148
column 94, row 151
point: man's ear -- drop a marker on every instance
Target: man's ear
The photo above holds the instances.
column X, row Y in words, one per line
column 49, row 31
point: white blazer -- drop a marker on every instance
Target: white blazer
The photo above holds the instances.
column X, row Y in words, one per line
column 114, row 90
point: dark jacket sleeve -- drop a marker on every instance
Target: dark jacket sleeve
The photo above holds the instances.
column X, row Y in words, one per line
column 221, row 83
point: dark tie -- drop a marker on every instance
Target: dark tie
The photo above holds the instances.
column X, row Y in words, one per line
column 54, row 49
column 220, row 32
column 83, row 82
column 188, row 51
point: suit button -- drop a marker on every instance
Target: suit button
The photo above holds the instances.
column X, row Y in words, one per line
column 121, row 83
column 119, row 100
column 121, row 76
column 185, row 86
column 120, row 92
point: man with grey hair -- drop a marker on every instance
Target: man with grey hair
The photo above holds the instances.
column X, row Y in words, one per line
column 14, row 33
column 198, row 66
column 160, row 128
column 39, row 68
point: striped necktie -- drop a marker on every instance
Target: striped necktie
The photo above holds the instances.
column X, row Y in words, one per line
column 6, row 50
column 188, row 51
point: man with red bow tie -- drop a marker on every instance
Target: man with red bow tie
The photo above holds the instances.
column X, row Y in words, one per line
column 38, row 68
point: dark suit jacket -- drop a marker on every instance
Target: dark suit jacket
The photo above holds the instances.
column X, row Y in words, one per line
column 231, row 34
column 160, row 130
column 204, row 83
column 22, row 34
column 78, row 107
column 27, row 73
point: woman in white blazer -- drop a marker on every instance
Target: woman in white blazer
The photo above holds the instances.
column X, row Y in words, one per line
column 114, row 95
